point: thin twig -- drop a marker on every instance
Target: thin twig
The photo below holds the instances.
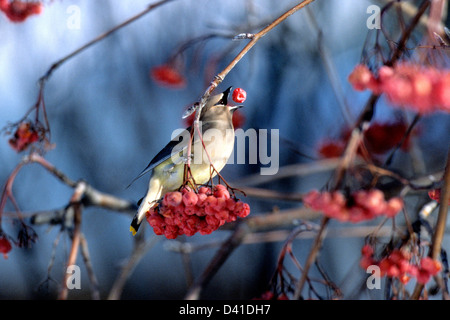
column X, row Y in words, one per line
column 42, row 81
column 405, row 36
column 7, row 190
column 221, row 255
column 311, row 257
column 141, row 247
column 92, row 196
column 36, row 158
column 271, row 194
column 75, row 200
column 90, row 270
column 330, row 68
column 411, row 10
column 441, row 223
column 58, row 63
column 256, row 37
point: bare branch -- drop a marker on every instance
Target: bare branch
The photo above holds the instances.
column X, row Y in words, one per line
column 141, row 247
column 75, row 200
column 90, row 270
column 254, row 39
column 441, row 223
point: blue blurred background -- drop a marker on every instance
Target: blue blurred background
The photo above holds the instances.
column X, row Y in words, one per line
column 108, row 119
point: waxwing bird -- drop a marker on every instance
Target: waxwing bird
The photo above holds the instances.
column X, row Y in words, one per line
column 168, row 166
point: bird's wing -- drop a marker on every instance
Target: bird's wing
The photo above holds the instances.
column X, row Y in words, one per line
column 175, row 146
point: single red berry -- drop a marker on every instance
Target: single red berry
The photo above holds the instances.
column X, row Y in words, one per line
column 204, row 190
column 365, row 262
column 423, row 277
column 422, row 86
column 430, row 265
column 239, row 95
column 441, row 92
column 393, row 206
column 190, row 198
column 311, row 199
column 367, row 250
column 396, row 257
column 362, row 78
column 373, row 200
column 413, row 271
column 222, row 193
column 435, row 194
column 404, row 266
column 173, row 199
column 210, row 201
column 331, row 149
column 242, row 209
column 218, row 187
column 155, row 220
column 168, row 76
column 5, row 247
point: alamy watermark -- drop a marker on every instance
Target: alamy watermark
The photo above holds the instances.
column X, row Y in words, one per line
column 374, row 280
column 374, row 20
column 258, row 141
column 73, row 281
column 73, row 21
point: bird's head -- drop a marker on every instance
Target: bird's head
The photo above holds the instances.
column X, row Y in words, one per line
column 217, row 107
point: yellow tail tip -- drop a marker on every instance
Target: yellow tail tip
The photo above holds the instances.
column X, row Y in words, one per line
column 132, row 230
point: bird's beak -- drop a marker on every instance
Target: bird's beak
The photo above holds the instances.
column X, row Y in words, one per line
column 234, row 108
column 224, row 100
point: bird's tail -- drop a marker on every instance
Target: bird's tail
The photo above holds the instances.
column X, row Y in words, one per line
column 153, row 194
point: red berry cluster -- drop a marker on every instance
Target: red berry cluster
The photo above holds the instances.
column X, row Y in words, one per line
column 397, row 265
column 422, row 89
column 167, row 76
column 379, row 138
column 187, row 212
column 24, row 135
column 359, row 206
column 19, row 11
column 5, row 246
